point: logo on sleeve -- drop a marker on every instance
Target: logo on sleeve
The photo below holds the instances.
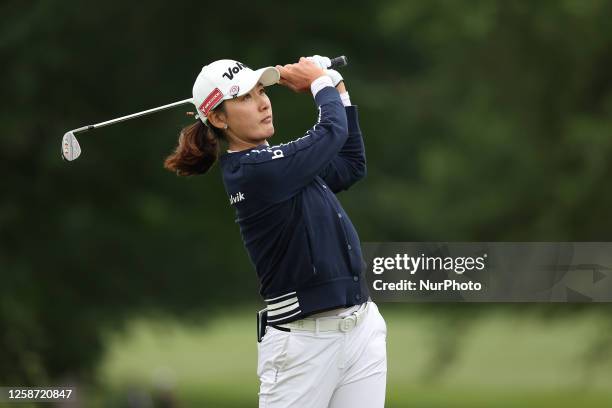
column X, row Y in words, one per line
column 276, row 153
column 236, row 198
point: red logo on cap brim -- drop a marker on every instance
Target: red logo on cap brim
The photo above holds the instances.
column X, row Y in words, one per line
column 211, row 100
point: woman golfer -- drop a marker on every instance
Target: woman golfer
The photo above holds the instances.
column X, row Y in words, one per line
column 321, row 340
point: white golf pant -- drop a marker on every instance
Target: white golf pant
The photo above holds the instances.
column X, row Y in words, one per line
column 331, row 369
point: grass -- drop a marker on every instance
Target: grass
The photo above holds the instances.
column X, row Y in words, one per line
column 499, row 359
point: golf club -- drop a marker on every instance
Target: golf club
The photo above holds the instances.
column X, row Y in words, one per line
column 71, row 149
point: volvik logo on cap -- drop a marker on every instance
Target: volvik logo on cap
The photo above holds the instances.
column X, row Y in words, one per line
column 211, row 100
column 234, row 70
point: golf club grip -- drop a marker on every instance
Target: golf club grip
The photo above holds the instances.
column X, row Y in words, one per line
column 339, row 62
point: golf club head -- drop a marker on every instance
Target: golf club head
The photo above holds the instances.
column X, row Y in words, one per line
column 70, row 147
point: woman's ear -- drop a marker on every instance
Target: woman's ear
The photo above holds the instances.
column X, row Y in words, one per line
column 217, row 119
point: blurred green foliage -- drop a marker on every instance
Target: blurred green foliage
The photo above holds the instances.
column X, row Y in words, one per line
column 483, row 121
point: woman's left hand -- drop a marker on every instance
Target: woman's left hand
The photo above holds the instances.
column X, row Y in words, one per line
column 298, row 77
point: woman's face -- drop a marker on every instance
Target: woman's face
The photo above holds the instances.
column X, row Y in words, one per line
column 249, row 117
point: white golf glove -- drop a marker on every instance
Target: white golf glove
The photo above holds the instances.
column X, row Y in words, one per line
column 324, row 62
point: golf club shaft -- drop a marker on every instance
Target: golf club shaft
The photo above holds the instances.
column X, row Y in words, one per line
column 132, row 116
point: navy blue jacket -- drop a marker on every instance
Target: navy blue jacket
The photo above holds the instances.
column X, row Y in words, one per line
column 299, row 238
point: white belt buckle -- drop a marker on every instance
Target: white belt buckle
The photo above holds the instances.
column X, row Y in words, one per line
column 348, row 323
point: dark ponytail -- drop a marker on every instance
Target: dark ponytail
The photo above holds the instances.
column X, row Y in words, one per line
column 197, row 150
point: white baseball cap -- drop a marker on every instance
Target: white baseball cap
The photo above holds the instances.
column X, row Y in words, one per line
column 227, row 79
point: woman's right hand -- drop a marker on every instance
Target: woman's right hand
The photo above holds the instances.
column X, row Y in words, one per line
column 298, row 77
